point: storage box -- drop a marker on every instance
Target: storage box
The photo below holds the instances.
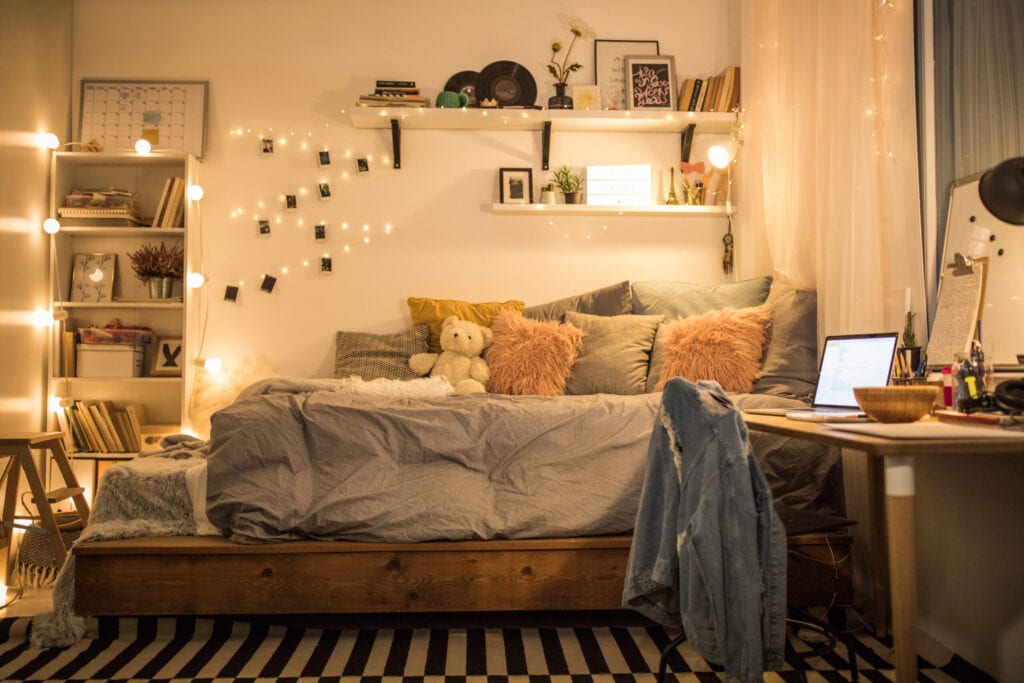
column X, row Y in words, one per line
column 109, row 360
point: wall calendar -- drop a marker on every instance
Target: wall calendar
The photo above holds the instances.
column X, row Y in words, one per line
column 171, row 115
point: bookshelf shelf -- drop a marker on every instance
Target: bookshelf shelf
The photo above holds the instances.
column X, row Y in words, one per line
column 592, row 210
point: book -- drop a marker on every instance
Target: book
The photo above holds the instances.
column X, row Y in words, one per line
column 65, row 428
column 92, row 432
column 81, row 443
column 67, row 354
column 714, row 83
column 395, row 84
column 734, row 90
column 123, row 429
column 702, row 95
column 161, row 205
column 685, row 91
column 110, row 444
column 174, row 204
column 136, row 414
column 106, row 409
column 694, row 101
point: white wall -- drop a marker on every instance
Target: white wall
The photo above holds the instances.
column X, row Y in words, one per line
column 292, row 70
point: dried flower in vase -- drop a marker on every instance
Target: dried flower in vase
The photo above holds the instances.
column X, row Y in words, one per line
column 150, row 261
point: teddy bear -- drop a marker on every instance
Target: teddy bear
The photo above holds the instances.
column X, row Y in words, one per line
column 460, row 361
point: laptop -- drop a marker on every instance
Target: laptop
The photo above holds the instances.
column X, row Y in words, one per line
column 847, row 361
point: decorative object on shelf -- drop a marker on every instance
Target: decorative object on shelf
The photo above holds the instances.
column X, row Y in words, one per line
column 508, row 83
column 610, row 67
column 569, row 183
column 167, row 359
column 561, row 70
column 159, row 267
column 586, row 97
column 909, row 349
column 92, row 279
column 464, row 82
column 651, row 82
column 672, row 199
column 693, row 182
column 516, row 185
column 446, row 99
column 547, row 194
column 619, row 185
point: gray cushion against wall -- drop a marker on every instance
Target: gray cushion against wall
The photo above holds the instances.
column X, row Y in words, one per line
column 375, row 356
column 673, row 299
column 610, row 300
column 790, row 366
column 615, row 354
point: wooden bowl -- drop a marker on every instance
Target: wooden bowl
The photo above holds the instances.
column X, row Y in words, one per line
column 897, row 404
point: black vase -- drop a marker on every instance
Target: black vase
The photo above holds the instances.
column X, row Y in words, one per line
column 560, row 100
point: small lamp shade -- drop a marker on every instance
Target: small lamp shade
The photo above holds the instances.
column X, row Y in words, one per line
column 1002, row 191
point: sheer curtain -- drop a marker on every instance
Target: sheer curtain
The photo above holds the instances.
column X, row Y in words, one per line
column 830, row 167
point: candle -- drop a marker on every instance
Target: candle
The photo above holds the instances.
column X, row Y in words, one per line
column 906, row 307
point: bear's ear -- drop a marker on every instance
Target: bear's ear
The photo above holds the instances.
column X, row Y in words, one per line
column 488, row 336
column 450, row 320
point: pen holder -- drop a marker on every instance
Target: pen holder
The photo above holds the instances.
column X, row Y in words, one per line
column 693, row 195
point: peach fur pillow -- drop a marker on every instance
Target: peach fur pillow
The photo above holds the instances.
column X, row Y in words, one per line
column 531, row 356
column 725, row 345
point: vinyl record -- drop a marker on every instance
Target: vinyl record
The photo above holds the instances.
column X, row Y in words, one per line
column 509, row 83
column 464, row 81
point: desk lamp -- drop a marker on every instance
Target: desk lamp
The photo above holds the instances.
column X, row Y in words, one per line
column 1002, row 191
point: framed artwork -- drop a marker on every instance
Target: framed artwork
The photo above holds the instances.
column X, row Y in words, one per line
column 516, row 185
column 167, row 359
column 92, row 278
column 610, row 67
column 586, row 97
column 169, row 114
column 651, row 82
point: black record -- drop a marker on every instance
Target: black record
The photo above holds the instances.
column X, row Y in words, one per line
column 509, row 83
column 464, row 81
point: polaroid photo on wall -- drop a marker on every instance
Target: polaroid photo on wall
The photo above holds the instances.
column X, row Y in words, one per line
column 325, row 265
column 320, row 232
column 324, row 189
column 231, row 293
column 291, row 202
column 264, row 225
column 363, row 165
column 267, row 285
column 323, row 158
column 266, row 146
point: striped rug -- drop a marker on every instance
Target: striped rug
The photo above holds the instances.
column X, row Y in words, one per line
column 276, row 649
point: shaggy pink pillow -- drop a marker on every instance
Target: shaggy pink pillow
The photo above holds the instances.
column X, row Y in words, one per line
column 724, row 345
column 531, row 356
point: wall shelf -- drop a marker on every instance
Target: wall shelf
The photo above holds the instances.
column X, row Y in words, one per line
column 120, row 304
column 593, row 210
column 90, row 231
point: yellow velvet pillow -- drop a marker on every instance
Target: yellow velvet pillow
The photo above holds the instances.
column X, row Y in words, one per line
column 432, row 312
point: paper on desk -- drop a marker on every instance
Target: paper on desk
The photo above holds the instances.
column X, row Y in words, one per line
column 927, row 429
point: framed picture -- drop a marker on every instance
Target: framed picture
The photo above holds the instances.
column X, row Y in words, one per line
column 610, row 67
column 167, row 359
column 516, row 185
column 92, row 278
column 586, row 97
column 169, row 114
column 651, row 82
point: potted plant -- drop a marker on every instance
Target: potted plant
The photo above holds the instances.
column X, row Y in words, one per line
column 909, row 349
column 547, row 193
column 569, row 183
column 562, row 70
column 159, row 267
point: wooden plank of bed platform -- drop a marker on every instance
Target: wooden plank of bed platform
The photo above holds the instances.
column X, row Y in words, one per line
column 212, row 575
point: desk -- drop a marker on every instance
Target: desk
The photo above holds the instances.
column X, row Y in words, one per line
column 897, row 536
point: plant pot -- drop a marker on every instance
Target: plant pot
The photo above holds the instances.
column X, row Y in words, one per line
column 160, row 287
column 573, row 197
column 560, row 100
column 547, row 197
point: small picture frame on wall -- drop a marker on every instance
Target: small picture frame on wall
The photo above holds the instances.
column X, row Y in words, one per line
column 92, row 278
column 266, row 146
column 515, row 185
column 167, row 359
column 610, row 67
column 651, row 82
column 586, row 97
column 324, row 189
column 323, row 158
column 291, row 202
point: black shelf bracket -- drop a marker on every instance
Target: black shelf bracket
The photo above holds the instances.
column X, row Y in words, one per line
column 396, row 143
column 685, row 141
column 545, row 143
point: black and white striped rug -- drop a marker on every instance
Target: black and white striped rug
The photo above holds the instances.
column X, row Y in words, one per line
column 283, row 649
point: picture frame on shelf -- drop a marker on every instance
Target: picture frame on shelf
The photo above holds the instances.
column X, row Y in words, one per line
column 651, row 82
column 173, row 114
column 586, row 97
column 92, row 278
column 610, row 67
column 515, row 185
column 167, row 358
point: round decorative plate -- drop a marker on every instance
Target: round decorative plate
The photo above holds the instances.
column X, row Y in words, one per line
column 509, row 83
column 464, row 81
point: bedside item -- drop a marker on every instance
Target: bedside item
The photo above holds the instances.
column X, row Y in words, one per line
column 897, row 404
column 109, row 360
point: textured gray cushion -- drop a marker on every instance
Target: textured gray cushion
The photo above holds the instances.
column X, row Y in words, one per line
column 610, row 300
column 675, row 299
column 375, row 356
column 790, row 366
column 616, row 351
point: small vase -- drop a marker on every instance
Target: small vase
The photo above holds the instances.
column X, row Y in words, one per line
column 560, row 100
column 160, row 287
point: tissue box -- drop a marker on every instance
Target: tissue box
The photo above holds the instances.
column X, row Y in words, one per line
column 109, row 360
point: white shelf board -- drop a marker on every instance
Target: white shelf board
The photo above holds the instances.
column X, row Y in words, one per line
column 594, row 210
column 121, row 158
column 60, row 381
column 533, row 119
column 120, row 231
column 142, row 303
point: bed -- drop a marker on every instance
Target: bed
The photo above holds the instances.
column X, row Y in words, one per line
column 343, row 496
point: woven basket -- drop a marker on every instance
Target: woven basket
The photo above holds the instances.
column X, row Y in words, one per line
column 37, row 566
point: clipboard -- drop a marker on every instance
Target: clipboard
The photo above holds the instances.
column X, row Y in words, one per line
column 958, row 311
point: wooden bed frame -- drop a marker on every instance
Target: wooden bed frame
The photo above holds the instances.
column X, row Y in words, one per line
column 179, row 575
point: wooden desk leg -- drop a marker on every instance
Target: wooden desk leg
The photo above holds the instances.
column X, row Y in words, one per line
column 899, row 503
column 879, row 546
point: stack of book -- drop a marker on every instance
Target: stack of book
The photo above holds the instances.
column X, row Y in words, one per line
column 102, row 426
column 716, row 93
column 394, row 94
column 170, row 210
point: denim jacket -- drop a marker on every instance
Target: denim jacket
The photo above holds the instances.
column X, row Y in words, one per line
column 709, row 550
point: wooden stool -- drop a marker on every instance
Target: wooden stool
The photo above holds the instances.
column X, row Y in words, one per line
column 17, row 449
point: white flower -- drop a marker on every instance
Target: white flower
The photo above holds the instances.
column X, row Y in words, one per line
column 580, row 29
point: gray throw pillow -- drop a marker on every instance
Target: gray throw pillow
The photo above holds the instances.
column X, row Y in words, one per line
column 615, row 354
column 675, row 299
column 610, row 300
column 790, row 366
column 376, row 356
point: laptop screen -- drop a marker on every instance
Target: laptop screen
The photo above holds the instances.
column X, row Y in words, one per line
column 849, row 361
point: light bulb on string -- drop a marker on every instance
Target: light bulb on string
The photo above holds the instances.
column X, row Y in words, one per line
column 195, row 280
column 51, row 226
column 195, row 192
column 143, row 147
column 49, row 141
